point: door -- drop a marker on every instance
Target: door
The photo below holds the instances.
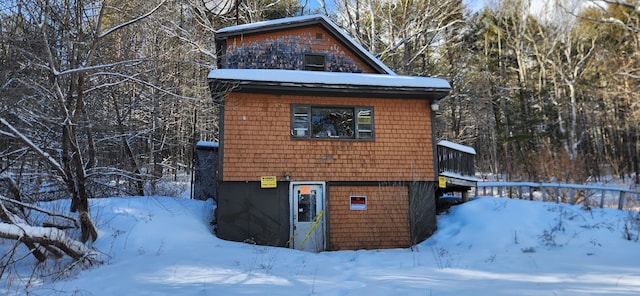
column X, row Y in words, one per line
column 307, row 214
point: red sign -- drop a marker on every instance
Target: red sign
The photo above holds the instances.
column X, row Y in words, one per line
column 358, row 203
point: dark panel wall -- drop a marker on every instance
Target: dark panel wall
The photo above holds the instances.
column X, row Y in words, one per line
column 205, row 169
column 422, row 210
column 247, row 212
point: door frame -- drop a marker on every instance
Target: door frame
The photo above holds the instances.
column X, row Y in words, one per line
column 293, row 212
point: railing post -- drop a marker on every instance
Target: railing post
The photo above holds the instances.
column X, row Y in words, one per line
column 519, row 192
column 587, row 192
column 572, row 195
column 621, row 200
column 555, row 189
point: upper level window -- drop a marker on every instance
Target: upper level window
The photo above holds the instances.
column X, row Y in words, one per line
column 313, row 62
column 330, row 122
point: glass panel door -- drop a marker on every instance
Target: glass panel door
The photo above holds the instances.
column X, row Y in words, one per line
column 307, row 216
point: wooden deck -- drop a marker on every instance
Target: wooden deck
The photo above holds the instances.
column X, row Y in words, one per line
column 456, row 168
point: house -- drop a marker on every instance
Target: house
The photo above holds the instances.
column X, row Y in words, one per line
column 321, row 145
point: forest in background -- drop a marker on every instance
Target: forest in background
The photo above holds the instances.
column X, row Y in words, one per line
column 105, row 98
column 544, row 97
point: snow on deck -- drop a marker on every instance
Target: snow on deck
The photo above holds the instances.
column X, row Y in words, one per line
column 458, row 176
column 458, row 147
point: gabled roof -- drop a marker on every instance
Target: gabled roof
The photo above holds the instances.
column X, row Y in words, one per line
column 328, row 83
column 307, row 20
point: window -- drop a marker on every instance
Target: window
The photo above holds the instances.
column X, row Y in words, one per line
column 331, row 122
column 313, row 62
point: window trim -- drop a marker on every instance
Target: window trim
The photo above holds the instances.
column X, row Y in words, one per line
column 303, row 129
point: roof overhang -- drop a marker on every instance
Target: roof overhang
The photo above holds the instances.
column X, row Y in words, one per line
column 327, row 84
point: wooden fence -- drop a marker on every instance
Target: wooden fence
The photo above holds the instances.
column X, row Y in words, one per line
column 592, row 196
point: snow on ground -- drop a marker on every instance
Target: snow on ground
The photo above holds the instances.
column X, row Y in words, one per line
column 489, row 246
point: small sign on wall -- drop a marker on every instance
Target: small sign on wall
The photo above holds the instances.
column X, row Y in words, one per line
column 268, row 182
column 358, row 203
column 442, row 182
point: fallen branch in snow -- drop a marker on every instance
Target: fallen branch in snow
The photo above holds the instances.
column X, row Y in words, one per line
column 52, row 239
column 6, row 216
column 40, row 240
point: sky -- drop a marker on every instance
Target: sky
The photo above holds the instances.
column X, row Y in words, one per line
column 489, row 246
column 536, row 8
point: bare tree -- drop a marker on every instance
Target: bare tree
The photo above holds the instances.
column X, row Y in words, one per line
column 56, row 72
column 404, row 34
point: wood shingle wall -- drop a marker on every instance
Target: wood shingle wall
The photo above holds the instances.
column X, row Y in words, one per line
column 384, row 224
column 286, row 49
column 258, row 142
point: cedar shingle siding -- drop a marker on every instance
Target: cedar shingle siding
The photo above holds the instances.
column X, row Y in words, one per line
column 385, row 223
column 257, row 142
column 285, row 50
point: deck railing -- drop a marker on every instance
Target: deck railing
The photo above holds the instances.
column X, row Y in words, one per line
column 456, row 159
column 592, row 196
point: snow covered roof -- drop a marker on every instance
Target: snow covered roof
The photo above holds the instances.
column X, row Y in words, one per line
column 373, row 84
column 298, row 21
column 458, row 147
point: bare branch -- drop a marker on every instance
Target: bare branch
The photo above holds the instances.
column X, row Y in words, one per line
column 34, row 147
column 634, row 76
column 151, row 85
column 97, row 67
column 623, row 3
column 38, row 209
column 133, row 21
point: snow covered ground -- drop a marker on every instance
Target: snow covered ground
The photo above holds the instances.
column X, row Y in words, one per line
column 489, row 246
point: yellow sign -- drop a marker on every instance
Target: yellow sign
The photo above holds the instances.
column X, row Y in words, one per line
column 442, row 182
column 268, row 182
